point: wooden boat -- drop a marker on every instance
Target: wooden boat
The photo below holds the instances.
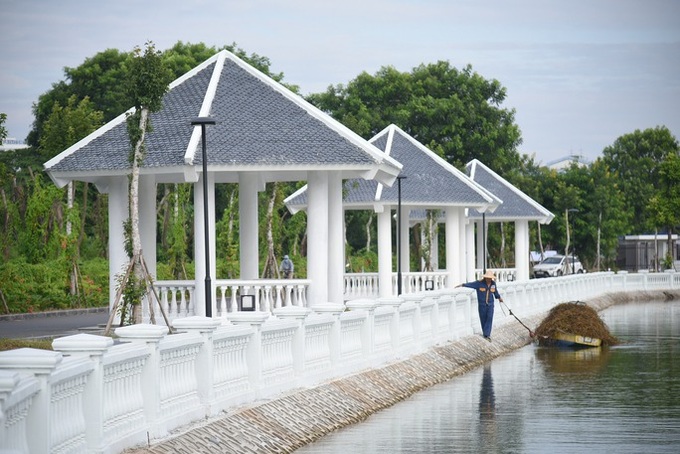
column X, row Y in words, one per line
column 576, row 340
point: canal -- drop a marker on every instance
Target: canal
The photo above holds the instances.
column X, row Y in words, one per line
column 623, row 399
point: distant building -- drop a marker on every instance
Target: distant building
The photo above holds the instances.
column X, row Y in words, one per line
column 10, row 143
column 640, row 252
column 565, row 162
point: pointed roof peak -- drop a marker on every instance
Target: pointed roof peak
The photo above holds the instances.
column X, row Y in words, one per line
column 261, row 126
column 516, row 204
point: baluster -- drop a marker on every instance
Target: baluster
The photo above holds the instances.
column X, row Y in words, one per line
column 266, row 304
column 183, row 310
column 223, row 300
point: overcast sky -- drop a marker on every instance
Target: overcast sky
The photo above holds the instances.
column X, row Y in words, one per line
column 580, row 73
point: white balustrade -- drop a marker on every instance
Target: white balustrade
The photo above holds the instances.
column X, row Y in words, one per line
column 93, row 395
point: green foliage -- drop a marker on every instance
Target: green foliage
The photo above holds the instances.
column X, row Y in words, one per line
column 3, row 130
column 44, row 211
column 148, row 78
column 36, row 287
column 635, row 160
column 454, row 112
column 68, row 124
column 362, row 262
column 665, row 204
column 178, row 240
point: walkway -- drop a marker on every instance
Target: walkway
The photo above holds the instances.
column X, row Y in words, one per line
column 299, row 418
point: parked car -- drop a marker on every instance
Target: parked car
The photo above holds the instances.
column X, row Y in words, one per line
column 557, row 265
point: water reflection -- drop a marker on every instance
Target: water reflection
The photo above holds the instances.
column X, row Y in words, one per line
column 573, row 361
column 488, row 430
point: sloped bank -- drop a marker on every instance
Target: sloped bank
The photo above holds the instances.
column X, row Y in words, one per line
column 303, row 416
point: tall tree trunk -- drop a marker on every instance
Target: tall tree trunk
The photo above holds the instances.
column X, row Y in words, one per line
column 540, row 240
column 134, row 208
column 6, row 224
column 670, row 258
column 566, row 248
column 368, row 232
column 503, row 261
column 270, row 269
column 70, row 195
column 599, row 238
column 83, row 216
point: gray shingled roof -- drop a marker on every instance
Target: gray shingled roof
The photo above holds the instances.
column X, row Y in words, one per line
column 430, row 181
column 261, row 125
column 516, row 204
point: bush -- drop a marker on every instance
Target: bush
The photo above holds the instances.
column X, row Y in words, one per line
column 45, row 286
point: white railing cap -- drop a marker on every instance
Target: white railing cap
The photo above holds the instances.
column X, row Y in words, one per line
column 196, row 323
column 141, row 332
column 292, row 312
column 83, row 342
column 328, row 308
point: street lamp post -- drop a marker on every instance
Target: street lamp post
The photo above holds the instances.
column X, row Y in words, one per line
column 399, row 178
column 203, row 121
column 573, row 247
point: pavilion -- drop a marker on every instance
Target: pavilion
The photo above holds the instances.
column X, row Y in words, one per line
column 263, row 133
column 427, row 182
column 517, row 207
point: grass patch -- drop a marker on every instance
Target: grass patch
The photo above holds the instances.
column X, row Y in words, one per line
column 11, row 344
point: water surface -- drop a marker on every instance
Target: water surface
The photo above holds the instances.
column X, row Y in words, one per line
column 623, row 399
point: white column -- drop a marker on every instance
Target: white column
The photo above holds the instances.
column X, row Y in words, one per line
column 385, row 252
column 317, row 237
column 119, row 212
column 461, row 244
column 199, row 243
column 522, row 249
column 248, row 225
column 470, row 251
column 336, row 240
column 452, row 246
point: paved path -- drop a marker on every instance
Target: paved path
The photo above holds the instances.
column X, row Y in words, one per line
column 54, row 323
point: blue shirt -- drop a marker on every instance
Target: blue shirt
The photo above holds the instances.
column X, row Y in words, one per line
column 485, row 293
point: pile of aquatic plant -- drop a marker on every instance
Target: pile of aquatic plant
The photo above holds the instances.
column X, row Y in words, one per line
column 574, row 318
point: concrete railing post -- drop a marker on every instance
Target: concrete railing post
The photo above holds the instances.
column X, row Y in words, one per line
column 40, row 364
column 333, row 310
column 205, row 327
column 150, row 335
column 91, row 347
column 416, row 299
column 367, row 335
column 395, row 329
column 255, row 320
column 298, row 314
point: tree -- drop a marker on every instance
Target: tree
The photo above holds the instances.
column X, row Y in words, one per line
column 456, row 113
column 64, row 127
column 148, row 82
column 3, row 130
column 665, row 204
column 635, row 160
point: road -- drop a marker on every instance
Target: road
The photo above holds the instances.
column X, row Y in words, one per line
column 54, row 323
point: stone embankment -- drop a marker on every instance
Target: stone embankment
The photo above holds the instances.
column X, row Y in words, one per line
column 302, row 416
